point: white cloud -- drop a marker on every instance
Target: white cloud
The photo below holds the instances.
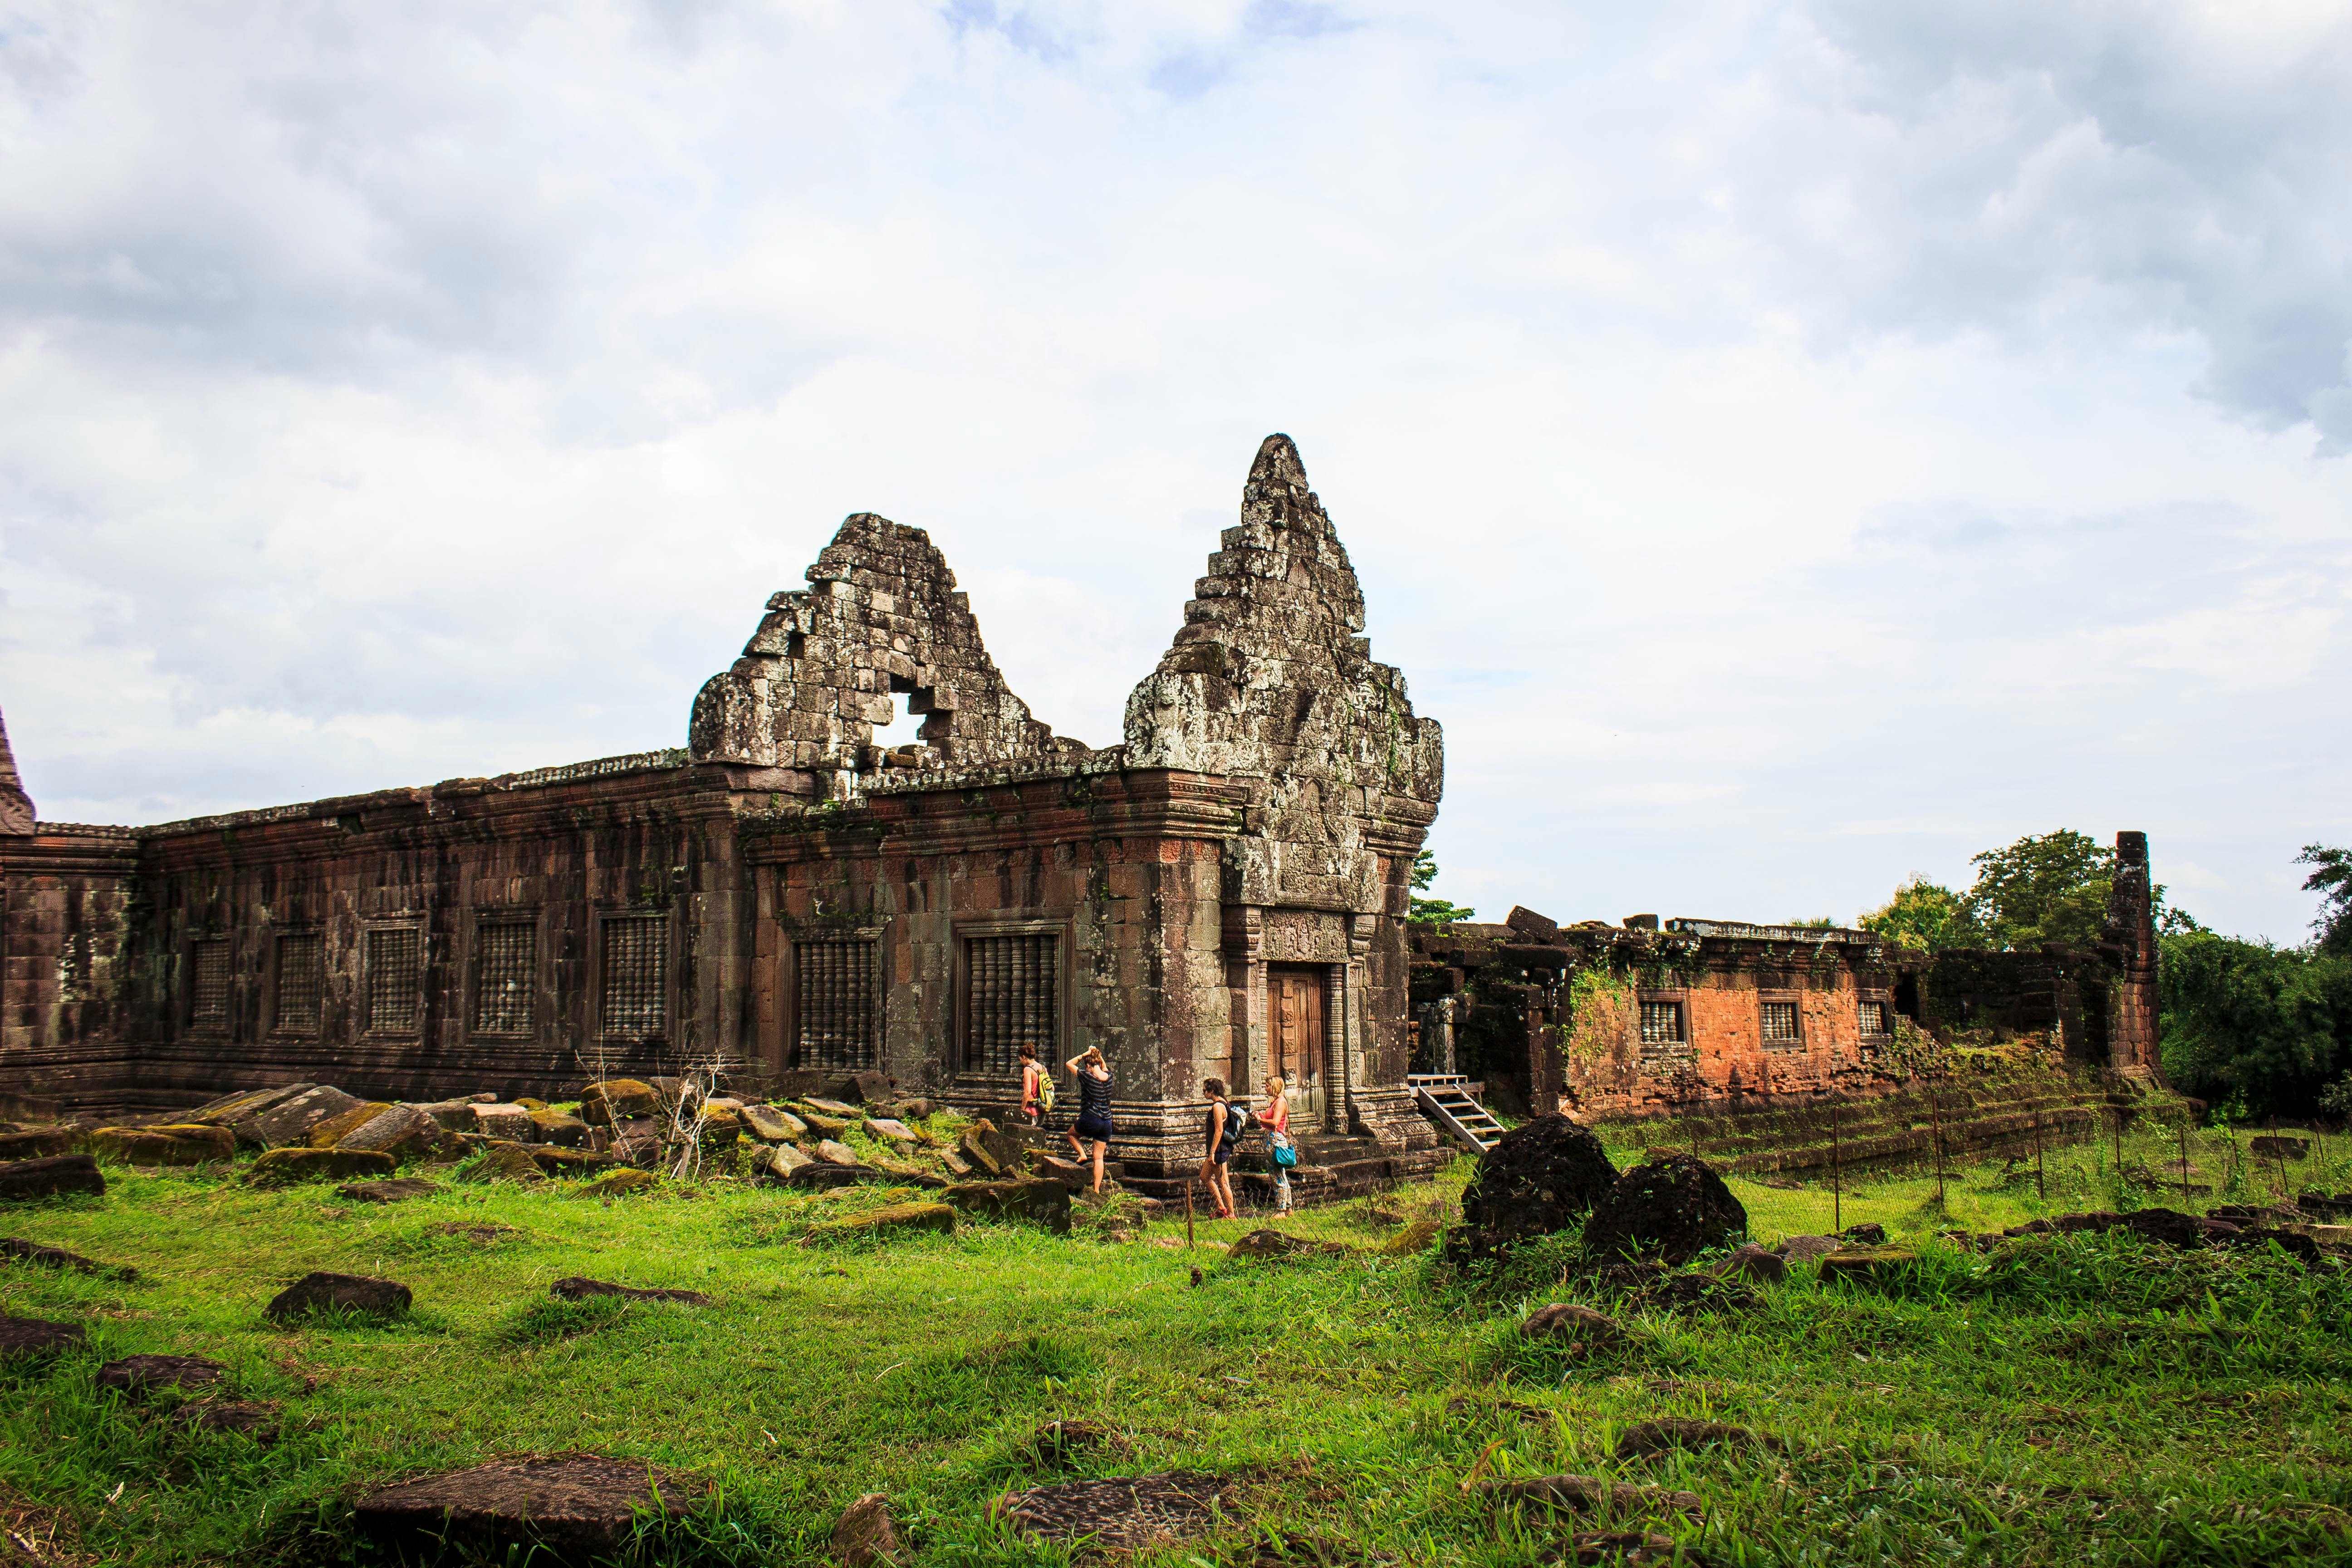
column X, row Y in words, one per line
column 1788, row 445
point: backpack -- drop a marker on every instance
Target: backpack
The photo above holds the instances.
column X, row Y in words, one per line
column 1045, row 1090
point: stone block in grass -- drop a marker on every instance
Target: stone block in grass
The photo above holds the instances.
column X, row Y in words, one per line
column 61, row 1175
column 144, row 1376
column 1566, row 1321
column 556, row 1162
column 576, row 1506
column 41, row 1143
column 895, row 1219
column 399, row 1190
column 833, row 1154
column 29, row 1339
column 777, row 1161
column 193, row 1143
column 507, row 1121
column 1038, row 1201
column 1280, row 1243
column 1646, row 1438
column 402, row 1131
column 890, row 1128
column 1752, row 1262
column 355, row 1294
column 864, row 1535
column 560, row 1128
column 1126, row 1513
column 287, row 1121
column 825, row 1126
column 280, row 1167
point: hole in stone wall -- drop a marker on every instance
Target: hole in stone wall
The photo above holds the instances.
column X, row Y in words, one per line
column 904, row 728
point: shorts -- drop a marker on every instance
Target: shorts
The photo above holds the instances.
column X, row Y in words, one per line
column 1223, row 1156
column 1093, row 1131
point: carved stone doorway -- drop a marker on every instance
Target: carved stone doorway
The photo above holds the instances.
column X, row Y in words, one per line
column 1297, row 1010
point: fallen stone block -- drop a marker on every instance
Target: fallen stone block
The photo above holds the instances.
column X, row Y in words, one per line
column 402, row 1131
column 1039, row 1202
column 1411, row 1240
column 29, row 1338
column 777, row 1161
column 508, row 1121
column 1277, row 1244
column 578, row 1506
column 555, row 1162
column 894, row 1220
column 277, row 1167
column 770, row 1125
column 140, row 1376
column 833, row 1154
column 243, row 1102
column 609, row 1100
column 330, row 1131
column 561, row 1127
column 577, row 1287
column 195, row 1143
column 42, row 1143
column 15, row 1249
column 1541, row 1177
column 60, row 1175
column 243, row 1418
column 890, row 1127
column 352, row 1293
column 1577, row 1492
column 1752, row 1262
column 397, row 1191
column 287, row 1122
column 1053, row 1169
column 1799, row 1250
column 825, row 1126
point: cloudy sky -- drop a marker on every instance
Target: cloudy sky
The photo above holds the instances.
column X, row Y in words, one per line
column 1789, row 446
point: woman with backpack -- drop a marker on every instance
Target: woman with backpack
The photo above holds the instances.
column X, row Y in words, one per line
column 1094, row 1107
column 1284, row 1153
column 1036, row 1087
column 1224, row 1129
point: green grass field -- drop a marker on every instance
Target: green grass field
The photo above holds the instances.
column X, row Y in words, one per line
column 2077, row 1399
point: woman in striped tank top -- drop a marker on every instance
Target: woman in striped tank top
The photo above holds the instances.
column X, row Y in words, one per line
column 1094, row 1107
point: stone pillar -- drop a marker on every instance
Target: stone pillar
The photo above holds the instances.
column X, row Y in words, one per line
column 2131, row 922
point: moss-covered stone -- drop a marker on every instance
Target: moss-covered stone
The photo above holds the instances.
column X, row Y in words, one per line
column 894, row 1220
column 277, row 1167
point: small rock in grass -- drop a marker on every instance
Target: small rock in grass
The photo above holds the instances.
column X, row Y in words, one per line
column 580, row 1506
column 577, row 1289
column 1874, row 1263
column 399, row 1190
column 864, row 1535
column 243, row 1418
column 895, row 1217
column 353, row 1293
column 196, row 1144
column 1566, row 1320
column 619, row 1182
column 1799, row 1250
column 141, row 1375
column 21, row 1251
column 504, row 1161
column 833, row 1153
column 277, row 1166
column 1871, row 1235
column 29, row 1337
column 59, row 1175
column 1752, row 1262
column 1648, row 1437
column 1275, row 1244
column 471, row 1232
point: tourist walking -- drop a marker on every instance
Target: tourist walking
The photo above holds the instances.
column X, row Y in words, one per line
column 1284, row 1153
column 1036, row 1087
column 1094, row 1107
column 1224, row 1134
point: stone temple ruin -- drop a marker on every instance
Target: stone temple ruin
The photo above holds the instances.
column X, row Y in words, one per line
column 1222, row 892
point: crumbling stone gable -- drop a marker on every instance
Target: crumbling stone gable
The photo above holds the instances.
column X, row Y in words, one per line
column 881, row 615
column 1271, row 680
column 15, row 805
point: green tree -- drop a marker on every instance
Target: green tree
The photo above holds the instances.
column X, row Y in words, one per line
column 1923, row 914
column 2048, row 887
column 2332, row 878
column 1433, row 912
column 2243, row 1020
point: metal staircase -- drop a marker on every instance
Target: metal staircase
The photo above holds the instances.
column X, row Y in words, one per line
column 1445, row 1099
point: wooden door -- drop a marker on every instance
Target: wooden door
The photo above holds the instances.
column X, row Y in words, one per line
column 1295, row 1048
